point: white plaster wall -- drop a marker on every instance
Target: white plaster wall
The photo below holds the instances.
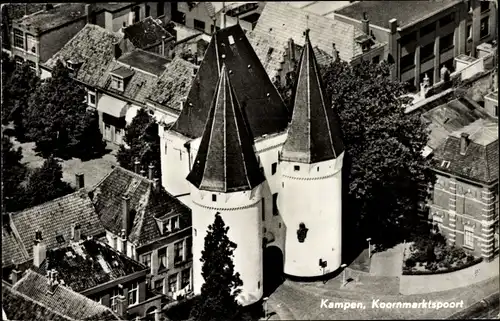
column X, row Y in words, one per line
column 174, row 163
column 313, row 197
column 241, row 211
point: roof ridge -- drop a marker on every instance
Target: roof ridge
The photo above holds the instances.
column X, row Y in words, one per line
column 37, row 207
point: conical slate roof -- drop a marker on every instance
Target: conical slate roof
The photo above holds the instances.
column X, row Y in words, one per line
column 226, row 160
column 261, row 102
column 314, row 134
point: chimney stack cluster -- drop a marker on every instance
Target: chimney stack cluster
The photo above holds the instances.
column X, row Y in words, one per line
column 366, row 24
column 53, row 282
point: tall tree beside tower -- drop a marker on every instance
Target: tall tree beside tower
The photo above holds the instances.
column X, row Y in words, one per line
column 217, row 300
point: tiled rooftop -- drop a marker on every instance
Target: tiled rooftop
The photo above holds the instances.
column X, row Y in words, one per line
column 144, row 60
column 113, row 6
column 137, row 87
column 59, row 15
column 280, row 22
column 406, row 12
column 480, row 161
column 93, row 47
column 174, row 84
column 76, row 264
column 53, row 219
column 145, row 202
column 63, row 302
column 18, row 10
column 146, row 33
column 449, row 117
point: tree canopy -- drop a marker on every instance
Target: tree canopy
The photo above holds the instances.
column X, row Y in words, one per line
column 18, row 84
column 57, row 119
column 45, row 184
column 13, row 174
column 217, row 300
column 142, row 143
column 384, row 170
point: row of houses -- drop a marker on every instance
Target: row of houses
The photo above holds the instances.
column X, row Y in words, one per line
column 124, row 243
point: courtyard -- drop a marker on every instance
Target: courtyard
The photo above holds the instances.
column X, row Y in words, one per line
column 368, row 291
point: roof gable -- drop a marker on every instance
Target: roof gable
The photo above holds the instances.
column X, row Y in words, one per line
column 226, row 161
column 145, row 204
column 314, row 134
column 53, row 219
column 262, row 104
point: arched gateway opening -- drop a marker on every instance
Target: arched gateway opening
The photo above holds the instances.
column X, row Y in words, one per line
column 273, row 269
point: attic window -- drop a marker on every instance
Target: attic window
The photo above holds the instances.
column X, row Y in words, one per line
column 445, row 164
column 231, row 40
column 117, row 83
column 214, row 198
column 296, row 168
column 72, row 65
column 60, row 239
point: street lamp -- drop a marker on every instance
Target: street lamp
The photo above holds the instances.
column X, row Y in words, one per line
column 343, row 266
column 265, row 306
column 369, row 247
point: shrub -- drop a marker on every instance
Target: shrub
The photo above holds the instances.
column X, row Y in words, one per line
column 410, row 263
column 470, row 258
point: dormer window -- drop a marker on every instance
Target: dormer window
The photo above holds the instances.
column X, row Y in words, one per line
column 365, row 41
column 117, row 83
column 73, row 65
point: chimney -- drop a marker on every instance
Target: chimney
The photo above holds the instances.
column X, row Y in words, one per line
column 366, row 24
column 89, row 12
column 156, row 184
column 76, row 232
column 464, row 142
column 163, row 45
column 142, row 172
column 151, row 170
column 335, row 52
column 16, row 275
column 223, row 12
column 39, row 250
column 125, row 213
column 117, row 51
column 121, row 303
column 154, row 262
column 137, row 165
column 80, row 180
column 393, row 26
column 291, row 50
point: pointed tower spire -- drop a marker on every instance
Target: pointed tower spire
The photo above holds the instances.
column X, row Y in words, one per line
column 226, row 160
column 314, row 134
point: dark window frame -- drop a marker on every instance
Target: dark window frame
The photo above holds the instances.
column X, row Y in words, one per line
column 487, row 27
column 407, row 39
column 199, row 25
column 19, row 39
column 446, row 20
column 427, row 52
column 406, row 67
column 428, row 29
column 443, row 48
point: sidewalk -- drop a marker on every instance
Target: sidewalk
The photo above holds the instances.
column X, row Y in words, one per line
column 388, row 263
column 418, row 284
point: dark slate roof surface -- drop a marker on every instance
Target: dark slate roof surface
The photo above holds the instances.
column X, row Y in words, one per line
column 406, row 12
column 314, row 134
column 59, row 15
column 145, row 60
column 87, row 264
column 226, row 160
column 144, row 200
column 263, row 106
column 146, row 33
column 52, row 219
column 93, row 47
column 63, row 301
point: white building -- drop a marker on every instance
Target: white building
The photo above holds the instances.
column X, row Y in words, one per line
column 276, row 184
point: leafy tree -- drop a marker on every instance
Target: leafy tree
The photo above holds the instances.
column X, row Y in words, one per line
column 13, row 174
column 142, row 143
column 217, row 300
column 19, row 84
column 45, row 184
column 384, row 171
column 58, row 120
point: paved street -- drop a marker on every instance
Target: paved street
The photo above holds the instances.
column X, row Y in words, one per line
column 388, row 263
